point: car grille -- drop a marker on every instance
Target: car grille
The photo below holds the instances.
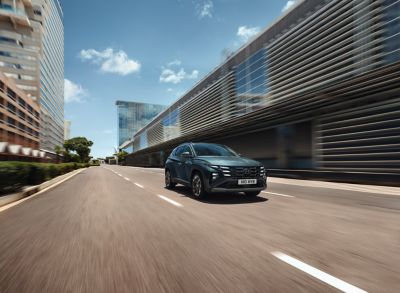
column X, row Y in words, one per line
column 245, row 172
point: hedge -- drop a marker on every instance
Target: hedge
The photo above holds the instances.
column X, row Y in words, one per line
column 15, row 175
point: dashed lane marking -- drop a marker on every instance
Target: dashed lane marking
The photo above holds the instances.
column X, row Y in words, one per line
column 170, row 200
column 279, row 194
column 138, row 185
column 320, row 275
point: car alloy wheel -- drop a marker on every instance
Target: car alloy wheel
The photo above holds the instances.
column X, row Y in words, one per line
column 197, row 186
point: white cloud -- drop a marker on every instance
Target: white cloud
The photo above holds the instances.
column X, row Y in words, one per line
column 111, row 61
column 245, row 33
column 176, row 62
column 288, row 5
column 170, row 90
column 170, row 75
column 74, row 92
column 206, row 9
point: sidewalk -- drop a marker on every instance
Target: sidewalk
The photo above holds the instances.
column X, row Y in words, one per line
column 376, row 189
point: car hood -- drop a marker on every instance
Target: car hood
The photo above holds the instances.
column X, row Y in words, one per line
column 229, row 161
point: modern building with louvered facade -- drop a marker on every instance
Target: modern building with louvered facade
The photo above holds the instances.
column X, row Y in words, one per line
column 319, row 89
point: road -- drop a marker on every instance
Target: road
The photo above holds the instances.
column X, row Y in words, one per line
column 116, row 229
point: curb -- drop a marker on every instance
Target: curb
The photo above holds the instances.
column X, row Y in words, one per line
column 28, row 191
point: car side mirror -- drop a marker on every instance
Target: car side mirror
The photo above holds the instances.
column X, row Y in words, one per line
column 186, row 155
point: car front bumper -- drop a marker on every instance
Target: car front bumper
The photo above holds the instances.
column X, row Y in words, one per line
column 226, row 184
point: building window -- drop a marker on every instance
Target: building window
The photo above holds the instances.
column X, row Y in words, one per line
column 252, row 83
column 11, row 122
column 392, row 31
column 21, row 102
column 21, row 115
column 11, row 94
column 11, row 108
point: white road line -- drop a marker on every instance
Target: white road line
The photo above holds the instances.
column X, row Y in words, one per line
column 170, row 200
column 280, row 194
column 127, row 179
column 119, row 175
column 320, row 275
column 138, row 185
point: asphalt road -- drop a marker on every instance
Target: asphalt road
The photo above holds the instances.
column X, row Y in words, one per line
column 116, row 229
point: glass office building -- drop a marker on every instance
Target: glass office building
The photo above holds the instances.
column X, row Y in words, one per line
column 51, row 72
column 132, row 116
column 32, row 54
column 318, row 89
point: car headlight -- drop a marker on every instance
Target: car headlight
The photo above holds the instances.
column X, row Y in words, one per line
column 216, row 167
column 222, row 170
column 263, row 172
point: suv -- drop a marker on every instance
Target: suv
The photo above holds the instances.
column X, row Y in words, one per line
column 207, row 167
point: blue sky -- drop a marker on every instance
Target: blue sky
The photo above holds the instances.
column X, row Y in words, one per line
column 148, row 51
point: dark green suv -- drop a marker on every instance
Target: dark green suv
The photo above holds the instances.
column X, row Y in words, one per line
column 207, row 167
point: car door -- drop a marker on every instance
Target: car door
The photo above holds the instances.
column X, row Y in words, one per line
column 175, row 162
column 186, row 163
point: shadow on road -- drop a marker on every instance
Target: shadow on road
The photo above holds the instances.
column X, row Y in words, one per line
column 221, row 198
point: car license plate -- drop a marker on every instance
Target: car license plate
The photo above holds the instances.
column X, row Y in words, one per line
column 247, row 181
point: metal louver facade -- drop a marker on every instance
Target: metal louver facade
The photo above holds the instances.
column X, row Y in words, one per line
column 318, row 89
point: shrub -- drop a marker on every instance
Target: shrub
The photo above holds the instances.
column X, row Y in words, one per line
column 15, row 175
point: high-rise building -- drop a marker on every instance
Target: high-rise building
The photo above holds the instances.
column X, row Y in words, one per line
column 51, row 82
column 67, row 129
column 32, row 53
column 132, row 116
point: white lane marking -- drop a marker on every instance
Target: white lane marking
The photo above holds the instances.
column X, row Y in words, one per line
column 170, row 200
column 138, row 185
column 6, row 207
column 119, row 175
column 320, row 275
column 280, row 194
column 127, row 179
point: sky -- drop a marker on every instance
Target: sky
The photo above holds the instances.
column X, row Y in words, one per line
column 150, row 51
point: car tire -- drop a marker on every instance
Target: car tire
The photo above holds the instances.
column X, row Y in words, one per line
column 168, row 180
column 198, row 186
column 252, row 193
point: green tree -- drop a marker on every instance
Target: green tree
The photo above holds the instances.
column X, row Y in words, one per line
column 121, row 156
column 81, row 146
column 59, row 151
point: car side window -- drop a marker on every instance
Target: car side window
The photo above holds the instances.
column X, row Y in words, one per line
column 179, row 151
column 186, row 148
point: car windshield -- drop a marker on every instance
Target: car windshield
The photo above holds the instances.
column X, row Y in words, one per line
column 204, row 149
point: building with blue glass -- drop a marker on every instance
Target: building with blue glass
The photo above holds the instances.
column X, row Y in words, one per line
column 49, row 25
column 132, row 116
column 319, row 89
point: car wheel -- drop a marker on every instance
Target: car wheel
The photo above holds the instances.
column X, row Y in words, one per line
column 198, row 186
column 168, row 180
column 252, row 193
